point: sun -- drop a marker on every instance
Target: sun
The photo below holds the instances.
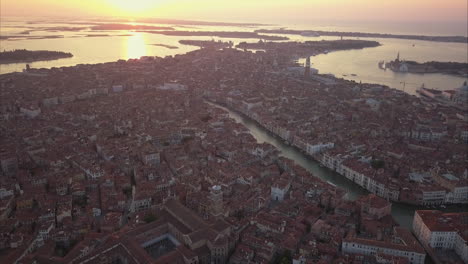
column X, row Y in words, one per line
column 133, row 7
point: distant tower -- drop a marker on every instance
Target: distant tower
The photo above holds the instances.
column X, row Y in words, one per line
column 307, row 68
column 216, row 197
column 398, row 57
column 275, row 63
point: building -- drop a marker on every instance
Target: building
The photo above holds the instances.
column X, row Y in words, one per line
column 457, row 187
column 319, row 147
column 173, row 87
column 151, row 157
column 177, row 236
column 117, row 88
column 431, row 195
column 307, row 68
column 279, row 190
column 375, row 206
column 461, row 95
column 438, row 230
column 400, row 244
column 216, row 198
column 9, row 164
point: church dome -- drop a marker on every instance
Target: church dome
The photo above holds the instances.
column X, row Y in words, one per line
column 464, row 87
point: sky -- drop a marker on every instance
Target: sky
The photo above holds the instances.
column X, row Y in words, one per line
column 248, row 10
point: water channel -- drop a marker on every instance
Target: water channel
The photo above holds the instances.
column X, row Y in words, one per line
column 402, row 213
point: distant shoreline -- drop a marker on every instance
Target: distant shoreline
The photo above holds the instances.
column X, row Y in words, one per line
column 309, row 48
column 206, row 43
column 98, row 22
column 23, row 37
column 454, row 39
column 452, row 68
column 219, row 34
column 24, row 56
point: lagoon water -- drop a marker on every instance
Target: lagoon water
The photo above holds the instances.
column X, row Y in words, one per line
column 357, row 65
column 363, row 63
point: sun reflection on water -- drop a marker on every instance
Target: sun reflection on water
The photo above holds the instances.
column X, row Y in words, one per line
column 136, row 46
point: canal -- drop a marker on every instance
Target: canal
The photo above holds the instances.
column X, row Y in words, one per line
column 402, row 213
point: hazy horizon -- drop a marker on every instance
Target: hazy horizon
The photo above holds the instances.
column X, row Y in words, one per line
column 452, row 28
column 432, row 12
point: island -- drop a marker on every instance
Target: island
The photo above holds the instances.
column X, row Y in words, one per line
column 220, row 34
column 453, row 68
column 17, row 37
column 106, row 35
column 22, row 55
column 315, row 33
column 207, row 43
column 164, row 46
column 308, row 48
column 128, row 27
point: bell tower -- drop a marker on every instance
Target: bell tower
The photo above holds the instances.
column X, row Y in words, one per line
column 216, row 198
column 307, row 68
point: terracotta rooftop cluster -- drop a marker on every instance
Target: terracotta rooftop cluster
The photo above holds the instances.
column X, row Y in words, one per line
column 91, row 153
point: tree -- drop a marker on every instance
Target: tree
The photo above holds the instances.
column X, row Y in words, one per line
column 127, row 191
column 206, row 118
column 149, row 218
column 81, row 201
column 239, row 214
column 377, row 164
column 285, row 258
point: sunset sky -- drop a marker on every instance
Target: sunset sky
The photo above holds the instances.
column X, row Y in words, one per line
column 247, row 10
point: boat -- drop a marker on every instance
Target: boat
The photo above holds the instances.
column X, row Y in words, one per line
column 382, row 65
column 353, row 74
column 332, row 184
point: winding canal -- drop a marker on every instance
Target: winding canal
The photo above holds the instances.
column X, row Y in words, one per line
column 402, row 213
